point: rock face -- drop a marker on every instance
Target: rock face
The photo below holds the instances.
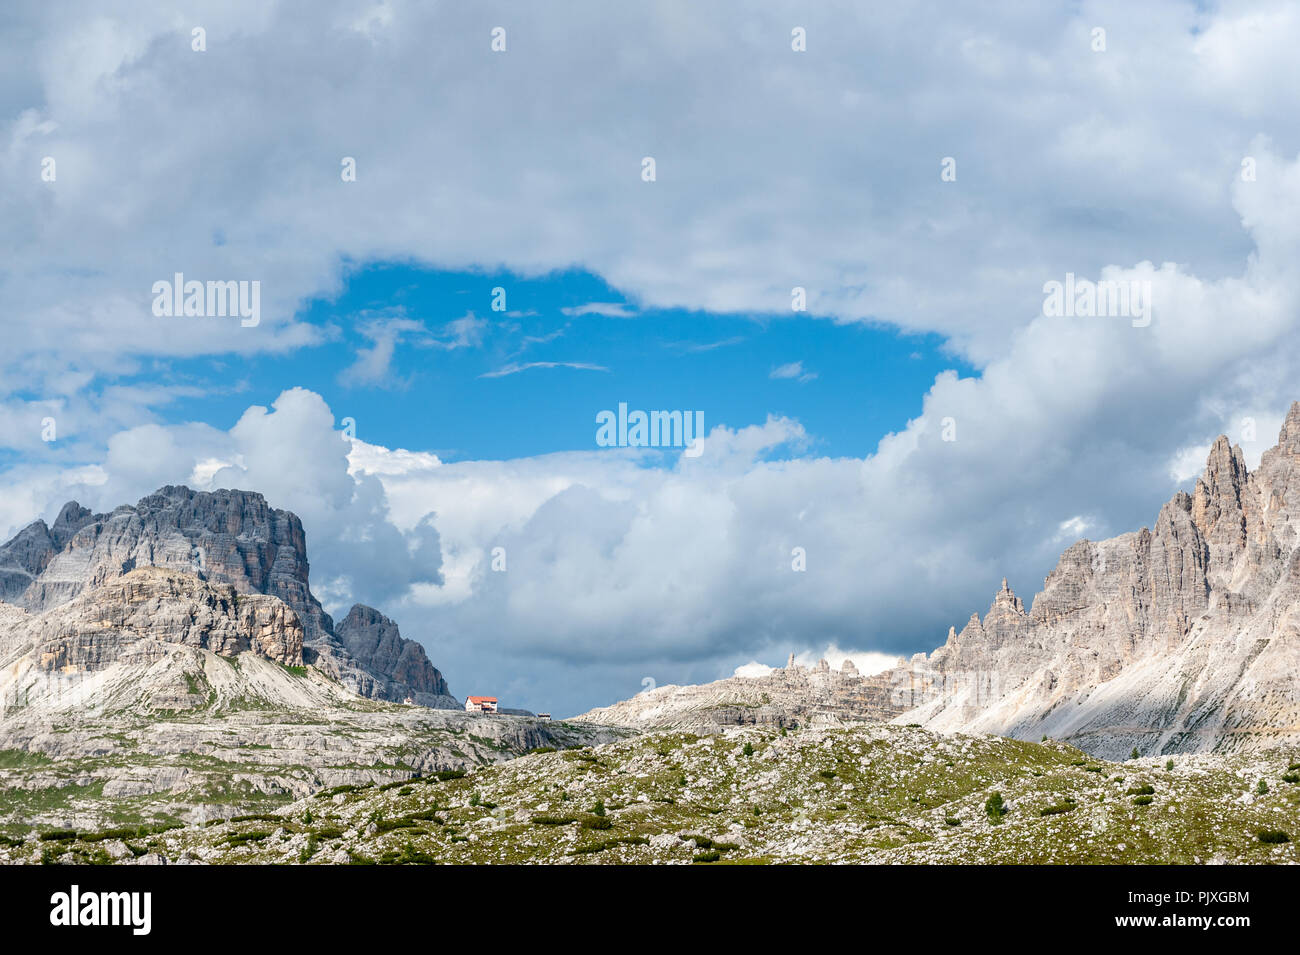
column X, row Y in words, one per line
column 1180, row 638
column 377, row 645
column 104, row 625
column 793, row 696
column 228, row 537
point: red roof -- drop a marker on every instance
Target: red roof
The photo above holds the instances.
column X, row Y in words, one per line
column 482, row 699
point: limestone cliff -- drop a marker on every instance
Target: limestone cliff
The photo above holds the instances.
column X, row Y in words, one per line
column 1180, row 638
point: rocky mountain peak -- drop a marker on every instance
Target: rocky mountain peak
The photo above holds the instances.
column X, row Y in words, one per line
column 230, row 537
column 375, row 642
column 72, row 518
column 1288, row 438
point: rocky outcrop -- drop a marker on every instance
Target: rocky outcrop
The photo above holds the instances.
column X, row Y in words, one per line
column 150, row 604
column 1182, row 637
column 376, row 644
column 792, row 696
column 228, row 537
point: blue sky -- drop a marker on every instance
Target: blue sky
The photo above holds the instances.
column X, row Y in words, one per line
column 854, row 382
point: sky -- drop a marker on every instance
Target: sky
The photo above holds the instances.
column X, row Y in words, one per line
column 839, row 266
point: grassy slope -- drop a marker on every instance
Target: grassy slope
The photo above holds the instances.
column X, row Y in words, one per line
column 872, row 793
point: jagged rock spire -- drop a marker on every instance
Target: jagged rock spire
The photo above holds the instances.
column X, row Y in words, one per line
column 1288, row 438
column 1006, row 599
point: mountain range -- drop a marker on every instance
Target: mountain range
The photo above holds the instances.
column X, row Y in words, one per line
column 1179, row 638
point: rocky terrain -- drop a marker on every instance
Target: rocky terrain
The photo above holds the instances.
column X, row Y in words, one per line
column 750, row 795
column 792, row 696
column 226, row 537
column 167, row 664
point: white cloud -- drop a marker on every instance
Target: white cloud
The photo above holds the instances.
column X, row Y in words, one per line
column 1116, row 155
column 606, row 309
column 793, row 369
column 514, row 368
column 1074, row 528
column 374, row 364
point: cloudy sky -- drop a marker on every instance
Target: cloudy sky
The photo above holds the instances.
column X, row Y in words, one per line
column 919, row 430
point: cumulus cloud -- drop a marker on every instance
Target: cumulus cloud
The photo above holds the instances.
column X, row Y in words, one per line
column 1067, row 160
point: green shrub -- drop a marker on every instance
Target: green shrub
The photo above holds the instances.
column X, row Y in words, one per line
column 309, row 849
column 339, row 790
column 58, row 835
column 409, row 855
column 1134, row 754
column 748, row 749
column 952, row 821
column 1262, row 788
column 599, row 808
column 546, row 820
column 995, row 807
column 1142, row 800
column 1291, row 778
column 1274, row 836
column 1145, row 790
column 712, row 856
column 1059, row 808
column 1169, row 764
column 597, row 822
